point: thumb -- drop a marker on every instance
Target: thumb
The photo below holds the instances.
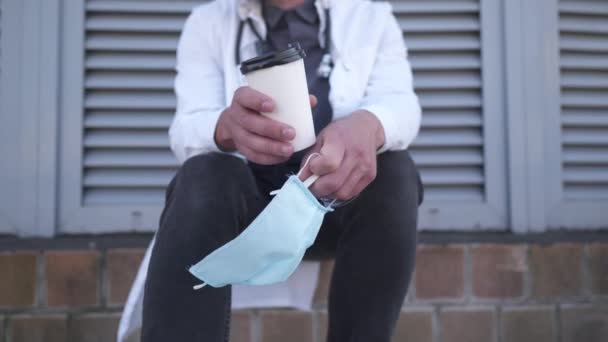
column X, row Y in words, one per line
column 305, row 171
column 332, row 153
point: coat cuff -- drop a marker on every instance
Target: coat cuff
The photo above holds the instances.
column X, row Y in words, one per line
column 386, row 118
column 194, row 134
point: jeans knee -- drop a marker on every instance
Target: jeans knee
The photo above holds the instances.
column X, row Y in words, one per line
column 214, row 173
column 215, row 182
column 398, row 181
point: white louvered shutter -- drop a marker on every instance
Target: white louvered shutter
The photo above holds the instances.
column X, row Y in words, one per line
column 444, row 39
column 129, row 101
column 115, row 171
column 583, row 47
column 127, row 107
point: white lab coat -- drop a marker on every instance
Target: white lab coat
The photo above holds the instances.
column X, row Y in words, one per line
column 370, row 72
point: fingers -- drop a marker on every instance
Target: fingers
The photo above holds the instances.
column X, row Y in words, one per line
column 252, row 99
column 330, row 184
column 313, row 100
column 360, row 177
column 263, row 126
column 260, row 139
column 267, row 146
column 260, row 158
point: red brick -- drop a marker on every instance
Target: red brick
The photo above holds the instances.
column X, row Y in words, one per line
column 292, row 326
column 72, row 278
column 240, row 326
column 122, row 266
column 584, row 324
column 598, row 265
column 498, row 271
column 37, row 329
column 467, row 325
column 439, row 272
column 322, row 290
column 18, row 284
column 94, row 328
column 414, row 326
column 556, row 270
column 528, row 324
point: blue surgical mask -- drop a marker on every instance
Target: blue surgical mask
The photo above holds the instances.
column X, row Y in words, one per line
column 273, row 245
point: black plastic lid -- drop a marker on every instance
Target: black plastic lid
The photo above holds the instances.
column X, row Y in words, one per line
column 292, row 53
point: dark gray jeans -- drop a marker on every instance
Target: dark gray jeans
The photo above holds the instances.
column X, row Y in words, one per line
column 214, row 197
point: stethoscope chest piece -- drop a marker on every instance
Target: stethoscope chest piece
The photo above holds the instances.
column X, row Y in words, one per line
column 325, row 66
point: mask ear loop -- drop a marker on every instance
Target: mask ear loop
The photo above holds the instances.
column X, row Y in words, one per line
column 308, row 181
column 199, row 286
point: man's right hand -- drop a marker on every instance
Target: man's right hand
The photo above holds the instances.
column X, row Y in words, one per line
column 260, row 139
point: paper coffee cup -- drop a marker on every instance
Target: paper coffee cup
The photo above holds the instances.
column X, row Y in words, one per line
column 281, row 76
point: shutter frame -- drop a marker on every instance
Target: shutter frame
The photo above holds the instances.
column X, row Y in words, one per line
column 119, row 102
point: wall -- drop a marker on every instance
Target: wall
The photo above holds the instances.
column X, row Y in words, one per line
column 474, row 292
column 513, row 133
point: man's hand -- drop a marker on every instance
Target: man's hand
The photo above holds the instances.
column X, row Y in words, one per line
column 347, row 163
column 260, row 139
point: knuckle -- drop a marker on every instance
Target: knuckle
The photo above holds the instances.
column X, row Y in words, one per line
column 243, row 120
column 369, row 177
column 266, row 148
column 368, row 173
column 333, row 186
column 359, row 153
column 364, row 168
column 372, row 175
column 332, row 164
column 275, row 149
column 270, row 129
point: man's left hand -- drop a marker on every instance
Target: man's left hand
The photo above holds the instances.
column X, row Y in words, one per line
column 347, row 163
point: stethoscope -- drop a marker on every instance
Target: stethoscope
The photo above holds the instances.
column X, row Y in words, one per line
column 262, row 46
